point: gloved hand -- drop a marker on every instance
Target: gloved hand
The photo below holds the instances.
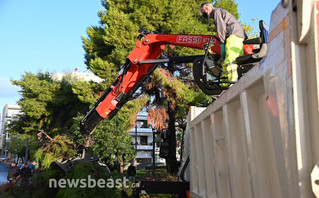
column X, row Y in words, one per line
column 222, row 50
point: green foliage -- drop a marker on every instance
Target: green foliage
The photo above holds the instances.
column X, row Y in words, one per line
column 62, row 105
column 58, row 147
column 47, row 174
column 40, row 187
column 37, row 92
column 111, row 137
column 55, row 107
column 87, row 92
column 82, row 171
column 108, row 45
column 181, row 92
column 230, row 5
column 41, row 183
column 75, row 133
column 17, row 144
column 47, row 104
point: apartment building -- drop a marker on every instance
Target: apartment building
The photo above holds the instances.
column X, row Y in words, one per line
column 9, row 113
column 142, row 135
column 84, row 76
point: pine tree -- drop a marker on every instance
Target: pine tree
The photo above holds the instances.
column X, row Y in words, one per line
column 47, row 104
column 108, row 45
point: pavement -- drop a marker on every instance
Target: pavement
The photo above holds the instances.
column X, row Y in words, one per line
column 4, row 167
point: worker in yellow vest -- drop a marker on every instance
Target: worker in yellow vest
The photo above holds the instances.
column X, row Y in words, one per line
column 231, row 36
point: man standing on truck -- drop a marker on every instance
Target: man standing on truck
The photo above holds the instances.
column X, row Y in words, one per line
column 231, row 36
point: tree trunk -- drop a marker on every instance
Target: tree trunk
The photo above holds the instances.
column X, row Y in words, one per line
column 171, row 160
column 88, row 141
column 122, row 165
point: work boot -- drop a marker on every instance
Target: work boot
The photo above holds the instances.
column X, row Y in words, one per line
column 212, row 68
column 232, row 73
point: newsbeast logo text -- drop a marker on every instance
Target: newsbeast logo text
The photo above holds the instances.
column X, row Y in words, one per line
column 192, row 39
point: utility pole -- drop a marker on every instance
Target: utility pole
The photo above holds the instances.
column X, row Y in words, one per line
column 154, row 135
column 154, row 131
column 136, row 137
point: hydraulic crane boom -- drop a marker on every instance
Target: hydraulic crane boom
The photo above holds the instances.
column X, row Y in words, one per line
column 141, row 62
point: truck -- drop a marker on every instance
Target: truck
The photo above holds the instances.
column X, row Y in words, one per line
column 258, row 138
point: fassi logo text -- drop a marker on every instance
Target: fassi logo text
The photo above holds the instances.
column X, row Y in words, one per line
column 192, row 39
column 189, row 39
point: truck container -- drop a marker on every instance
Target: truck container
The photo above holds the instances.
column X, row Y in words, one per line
column 260, row 138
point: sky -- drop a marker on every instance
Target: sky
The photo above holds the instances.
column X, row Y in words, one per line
column 45, row 36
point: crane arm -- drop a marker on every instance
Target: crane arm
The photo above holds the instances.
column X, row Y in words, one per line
column 141, row 62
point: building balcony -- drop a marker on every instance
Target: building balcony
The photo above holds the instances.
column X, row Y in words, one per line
column 144, row 155
column 144, row 147
column 141, row 130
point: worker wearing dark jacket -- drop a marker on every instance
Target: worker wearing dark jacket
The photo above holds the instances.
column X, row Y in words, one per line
column 231, row 36
column 13, row 172
column 131, row 171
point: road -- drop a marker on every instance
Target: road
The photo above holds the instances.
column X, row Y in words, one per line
column 3, row 172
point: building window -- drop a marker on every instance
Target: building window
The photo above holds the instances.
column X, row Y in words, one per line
column 143, row 140
column 142, row 124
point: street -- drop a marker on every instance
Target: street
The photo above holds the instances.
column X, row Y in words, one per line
column 3, row 172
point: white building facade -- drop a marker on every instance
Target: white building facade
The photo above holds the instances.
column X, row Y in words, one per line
column 142, row 133
column 9, row 113
column 83, row 76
